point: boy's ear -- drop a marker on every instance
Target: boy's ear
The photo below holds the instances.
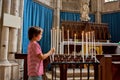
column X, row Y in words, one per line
column 34, row 35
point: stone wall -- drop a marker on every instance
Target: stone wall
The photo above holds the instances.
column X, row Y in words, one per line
column 110, row 6
column 74, row 5
column 71, row 5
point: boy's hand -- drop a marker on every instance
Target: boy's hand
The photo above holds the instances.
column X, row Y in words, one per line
column 52, row 50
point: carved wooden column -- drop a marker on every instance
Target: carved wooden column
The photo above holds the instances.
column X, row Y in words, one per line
column 106, row 67
column 5, row 66
column 13, row 35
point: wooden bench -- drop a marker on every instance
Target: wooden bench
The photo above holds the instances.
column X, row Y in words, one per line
column 110, row 67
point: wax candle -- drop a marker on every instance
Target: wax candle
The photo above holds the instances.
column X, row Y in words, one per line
column 62, row 33
column 83, row 45
column 68, row 41
column 54, row 37
column 63, row 40
column 92, row 43
column 74, row 45
column 86, row 44
column 57, row 40
column 53, row 41
column 89, row 52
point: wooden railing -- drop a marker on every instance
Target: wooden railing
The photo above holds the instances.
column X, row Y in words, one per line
column 109, row 68
column 23, row 56
column 64, row 66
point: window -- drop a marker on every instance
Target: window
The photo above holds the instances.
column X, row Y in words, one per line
column 110, row 0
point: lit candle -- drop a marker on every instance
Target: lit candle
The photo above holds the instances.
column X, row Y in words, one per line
column 68, row 41
column 83, row 45
column 89, row 52
column 53, row 37
column 92, row 43
column 74, row 45
column 53, row 42
column 86, row 44
column 62, row 33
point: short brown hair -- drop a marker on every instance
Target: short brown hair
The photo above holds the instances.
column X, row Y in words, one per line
column 34, row 31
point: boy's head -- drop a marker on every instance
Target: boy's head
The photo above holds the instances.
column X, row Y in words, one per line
column 35, row 33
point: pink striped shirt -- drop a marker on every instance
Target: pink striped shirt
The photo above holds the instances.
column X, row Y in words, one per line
column 35, row 65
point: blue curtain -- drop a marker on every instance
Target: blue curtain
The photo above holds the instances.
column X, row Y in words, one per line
column 37, row 15
column 71, row 16
column 113, row 20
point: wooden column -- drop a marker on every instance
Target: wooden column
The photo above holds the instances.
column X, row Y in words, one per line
column 116, row 70
column 63, row 71
column 24, row 57
column 106, row 67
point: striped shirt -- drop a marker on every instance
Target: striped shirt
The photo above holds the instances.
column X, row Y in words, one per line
column 35, row 65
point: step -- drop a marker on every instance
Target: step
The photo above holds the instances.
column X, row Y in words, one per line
column 76, row 72
column 49, row 77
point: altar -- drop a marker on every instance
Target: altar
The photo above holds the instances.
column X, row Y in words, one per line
column 101, row 47
column 101, row 34
column 79, row 43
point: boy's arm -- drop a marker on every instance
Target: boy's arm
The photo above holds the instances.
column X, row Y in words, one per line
column 44, row 56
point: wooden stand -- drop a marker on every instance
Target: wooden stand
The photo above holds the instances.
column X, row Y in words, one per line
column 107, row 70
column 63, row 69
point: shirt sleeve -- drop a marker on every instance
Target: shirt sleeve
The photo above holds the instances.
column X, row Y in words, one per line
column 37, row 48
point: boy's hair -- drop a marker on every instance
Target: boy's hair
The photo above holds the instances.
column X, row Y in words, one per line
column 34, row 31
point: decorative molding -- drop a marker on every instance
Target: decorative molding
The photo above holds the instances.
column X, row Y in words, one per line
column 11, row 21
column 51, row 7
